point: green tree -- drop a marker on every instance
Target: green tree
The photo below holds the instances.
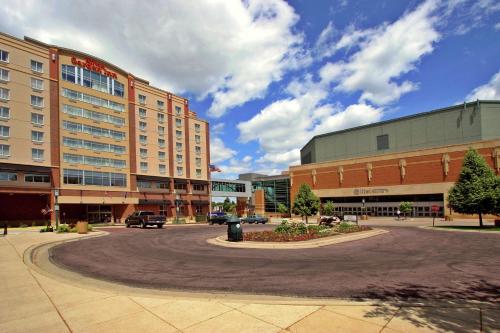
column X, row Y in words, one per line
column 227, row 205
column 477, row 188
column 328, row 208
column 282, row 209
column 405, row 207
column 306, row 202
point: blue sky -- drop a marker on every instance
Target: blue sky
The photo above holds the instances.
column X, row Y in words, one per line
column 269, row 74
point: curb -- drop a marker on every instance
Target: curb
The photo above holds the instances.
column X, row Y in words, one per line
column 459, row 230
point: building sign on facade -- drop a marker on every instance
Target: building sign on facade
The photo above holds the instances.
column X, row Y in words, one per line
column 368, row 191
column 93, row 65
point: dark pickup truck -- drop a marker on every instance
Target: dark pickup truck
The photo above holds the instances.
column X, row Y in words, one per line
column 144, row 218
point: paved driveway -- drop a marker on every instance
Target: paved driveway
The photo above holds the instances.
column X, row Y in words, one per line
column 405, row 263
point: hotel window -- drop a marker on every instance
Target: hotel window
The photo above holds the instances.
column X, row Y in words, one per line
column 37, row 154
column 143, row 152
column 143, row 184
column 161, row 104
column 142, row 126
column 180, row 171
column 197, row 150
column 4, row 56
column 163, row 185
column 180, row 186
column 94, row 115
column 161, row 130
column 4, row 112
column 178, row 122
column 37, row 101
column 36, row 66
column 4, row 75
column 97, row 101
column 4, row 150
column 85, row 177
column 383, row 142
column 178, row 134
column 8, row 176
column 4, row 131
column 36, row 136
column 178, row 146
column 197, row 139
column 161, row 143
column 198, row 187
column 198, row 172
column 178, row 158
column 161, row 155
column 178, row 110
column 36, row 84
column 68, row 73
column 92, row 130
column 142, row 99
column 4, row 93
column 198, row 162
column 118, row 88
column 161, row 117
column 143, row 139
column 162, row 168
column 144, row 166
column 34, row 178
column 197, row 128
column 142, row 113
column 37, row 119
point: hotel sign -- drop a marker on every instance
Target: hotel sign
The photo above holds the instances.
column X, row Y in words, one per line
column 368, row 191
column 93, row 65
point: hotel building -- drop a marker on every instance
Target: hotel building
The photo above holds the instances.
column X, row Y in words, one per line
column 86, row 138
column 371, row 169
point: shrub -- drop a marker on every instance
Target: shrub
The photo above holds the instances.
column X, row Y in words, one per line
column 73, row 229
column 48, row 228
column 63, row 228
column 292, row 228
column 90, row 227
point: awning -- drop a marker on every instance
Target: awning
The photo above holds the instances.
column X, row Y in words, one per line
column 180, row 181
column 200, row 202
column 154, row 202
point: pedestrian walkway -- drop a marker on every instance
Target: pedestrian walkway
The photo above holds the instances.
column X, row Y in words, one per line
column 31, row 300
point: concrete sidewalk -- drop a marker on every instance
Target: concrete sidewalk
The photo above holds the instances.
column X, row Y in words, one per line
column 31, row 300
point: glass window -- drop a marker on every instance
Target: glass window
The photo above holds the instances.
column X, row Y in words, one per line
column 180, row 186
column 119, row 89
column 101, row 102
column 383, row 142
column 4, row 131
column 37, row 119
column 178, row 158
column 178, row 122
column 161, row 143
column 4, row 150
column 197, row 150
column 144, row 166
column 180, row 171
column 161, row 130
column 198, row 162
column 178, row 134
column 143, row 184
column 4, row 112
column 178, row 110
column 198, row 187
column 37, row 154
column 94, row 115
column 37, row 101
column 4, row 56
column 37, row 136
column 36, row 178
column 163, row 185
column 4, row 93
column 36, row 84
column 197, row 128
column 142, row 125
column 161, row 104
column 178, row 146
column 4, row 75
column 143, row 152
column 142, row 113
column 36, row 66
column 161, row 155
column 8, row 176
column 197, row 139
column 143, row 139
column 142, row 99
column 162, row 168
column 161, row 117
column 198, row 172
column 68, row 73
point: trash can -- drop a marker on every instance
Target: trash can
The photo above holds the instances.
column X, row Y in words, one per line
column 234, row 229
column 82, row 227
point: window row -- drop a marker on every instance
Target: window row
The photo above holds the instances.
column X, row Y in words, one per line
column 28, row 178
column 36, row 101
column 143, row 152
column 94, row 161
column 36, row 84
column 143, row 139
column 149, row 184
column 93, row 145
column 94, row 115
column 35, row 135
column 79, row 96
column 91, row 79
column 85, row 177
column 162, row 168
column 36, row 153
column 143, row 125
column 36, row 66
column 92, row 130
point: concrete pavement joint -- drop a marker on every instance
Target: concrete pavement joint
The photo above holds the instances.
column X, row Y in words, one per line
column 154, row 314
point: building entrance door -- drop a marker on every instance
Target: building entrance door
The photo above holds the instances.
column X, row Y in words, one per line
column 99, row 213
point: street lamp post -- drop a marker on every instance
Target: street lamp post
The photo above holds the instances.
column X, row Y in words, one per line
column 177, row 201
column 363, row 212
column 56, row 207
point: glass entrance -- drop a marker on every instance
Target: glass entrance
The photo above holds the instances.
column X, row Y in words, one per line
column 99, row 213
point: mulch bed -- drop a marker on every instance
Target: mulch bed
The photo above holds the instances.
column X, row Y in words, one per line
column 271, row 236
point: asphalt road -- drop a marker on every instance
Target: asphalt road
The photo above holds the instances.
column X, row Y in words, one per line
column 405, row 263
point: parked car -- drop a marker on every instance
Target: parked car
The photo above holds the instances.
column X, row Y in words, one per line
column 255, row 219
column 217, row 217
column 145, row 218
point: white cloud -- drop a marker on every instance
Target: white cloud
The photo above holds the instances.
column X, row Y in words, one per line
column 385, row 53
column 231, row 50
column 217, row 129
column 219, row 152
column 497, row 26
column 488, row 91
column 232, row 168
